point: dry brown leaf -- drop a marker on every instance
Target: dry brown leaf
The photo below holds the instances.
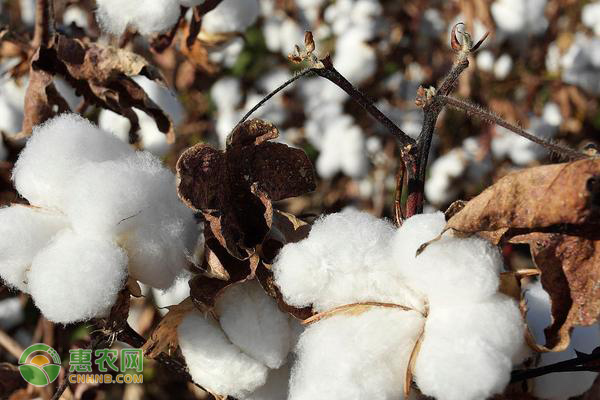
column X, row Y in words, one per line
column 164, row 337
column 234, row 189
column 10, row 380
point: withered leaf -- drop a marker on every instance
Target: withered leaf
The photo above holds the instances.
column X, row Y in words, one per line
column 234, row 188
column 164, row 337
column 10, row 380
column 570, row 267
column 562, row 196
column 102, row 75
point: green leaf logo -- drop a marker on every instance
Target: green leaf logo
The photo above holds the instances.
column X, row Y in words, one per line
column 39, row 364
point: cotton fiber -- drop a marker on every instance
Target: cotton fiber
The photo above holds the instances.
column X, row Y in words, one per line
column 100, row 211
column 471, row 334
column 231, row 16
column 77, row 277
column 214, row 362
column 145, row 16
column 24, row 232
column 253, row 322
column 175, row 294
column 12, row 313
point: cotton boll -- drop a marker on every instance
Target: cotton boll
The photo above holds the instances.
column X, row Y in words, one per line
column 231, row 16
column 67, row 92
column 25, row 231
column 226, row 93
column 354, row 59
column 342, row 150
column 12, row 313
column 115, row 123
column 214, row 362
column 520, row 16
column 485, row 61
column 76, row 15
column 273, row 79
column 276, row 387
column 503, row 66
column 27, row 11
column 175, row 294
column 227, row 53
column 226, row 121
column 590, row 15
column 54, row 153
column 77, row 277
column 252, row 321
column 290, row 34
column 12, row 100
column 146, row 16
column 440, row 187
column 162, row 96
column 355, row 357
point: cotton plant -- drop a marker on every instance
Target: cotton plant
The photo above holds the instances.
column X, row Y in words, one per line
column 99, row 213
column 242, row 348
column 520, row 150
column 12, row 101
column 151, row 138
column 564, row 385
column 377, row 302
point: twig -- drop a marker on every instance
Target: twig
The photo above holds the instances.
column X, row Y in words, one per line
column 488, row 116
column 44, row 23
column 574, row 364
column 10, row 345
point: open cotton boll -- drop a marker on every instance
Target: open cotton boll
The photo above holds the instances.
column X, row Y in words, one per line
column 12, row 100
column 344, row 260
column 214, row 362
column 161, row 95
column 342, row 150
column 12, row 313
column 134, row 200
column 276, row 387
column 226, row 93
column 355, row 59
column 252, row 321
column 115, row 123
column 175, row 294
column 520, row 16
column 440, row 187
column 231, row 16
column 54, row 153
column 590, row 15
column 24, row 231
column 77, row 277
column 146, row 16
column 503, row 66
column 355, row 358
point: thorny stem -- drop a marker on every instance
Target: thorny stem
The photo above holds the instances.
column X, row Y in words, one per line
column 574, row 364
column 491, row 117
column 44, row 23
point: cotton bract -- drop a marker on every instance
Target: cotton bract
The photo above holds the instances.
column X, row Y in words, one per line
column 100, row 212
column 235, row 355
column 449, row 293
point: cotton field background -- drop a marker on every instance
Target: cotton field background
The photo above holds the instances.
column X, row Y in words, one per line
column 303, row 199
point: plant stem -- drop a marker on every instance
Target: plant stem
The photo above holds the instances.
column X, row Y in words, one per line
column 574, row 364
column 488, row 116
column 44, row 23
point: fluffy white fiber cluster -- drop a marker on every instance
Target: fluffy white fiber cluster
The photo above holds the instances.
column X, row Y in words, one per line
column 472, row 334
column 156, row 16
column 244, row 352
column 100, row 212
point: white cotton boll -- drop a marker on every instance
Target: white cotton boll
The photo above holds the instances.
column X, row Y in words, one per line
column 590, row 15
column 214, row 362
column 228, row 53
column 77, row 277
column 12, row 101
column 24, row 231
column 226, row 93
column 151, row 138
column 539, row 315
column 503, row 66
column 76, row 15
column 134, row 199
column 226, row 121
column 273, row 110
column 450, row 270
column 271, row 32
column 356, row 60
column 551, row 114
column 355, row 358
column 67, row 92
column 231, row 16
column 146, row 16
column 440, row 187
column 290, row 35
column 252, row 321
column 173, row 295
column 276, row 387
column 12, row 313
column 433, row 23
column 27, row 11
column 485, row 60
column 520, row 16
column 273, row 79
column 55, row 151
column 163, row 97
column 344, row 260
column 342, row 150
column 115, row 123
column 580, row 64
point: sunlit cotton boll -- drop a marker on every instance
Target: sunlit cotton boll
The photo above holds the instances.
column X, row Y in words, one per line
column 355, row 358
column 25, row 231
column 520, row 16
column 214, row 362
column 77, row 277
column 12, row 100
column 342, row 150
column 563, row 385
column 354, row 58
column 134, row 200
column 146, row 16
column 590, row 15
column 231, row 16
column 54, row 153
column 253, row 322
column 440, row 187
column 175, row 294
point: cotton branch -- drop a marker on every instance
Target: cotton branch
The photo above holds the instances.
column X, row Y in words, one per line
column 44, row 23
column 583, row 362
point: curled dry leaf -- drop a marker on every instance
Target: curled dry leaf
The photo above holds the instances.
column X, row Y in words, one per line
column 102, row 75
column 164, row 337
column 554, row 209
column 234, row 188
